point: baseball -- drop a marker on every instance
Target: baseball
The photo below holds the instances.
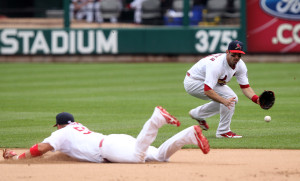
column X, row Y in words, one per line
column 267, row 118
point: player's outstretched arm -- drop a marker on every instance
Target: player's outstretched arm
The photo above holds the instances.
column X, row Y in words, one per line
column 249, row 92
column 34, row 151
column 216, row 97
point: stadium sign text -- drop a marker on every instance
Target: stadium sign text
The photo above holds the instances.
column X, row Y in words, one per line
column 212, row 40
column 275, row 25
column 58, row 42
column 287, row 34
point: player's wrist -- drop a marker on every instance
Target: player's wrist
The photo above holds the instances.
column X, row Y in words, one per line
column 22, row 156
column 16, row 157
column 255, row 98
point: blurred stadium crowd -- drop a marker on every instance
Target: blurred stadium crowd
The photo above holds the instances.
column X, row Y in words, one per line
column 148, row 12
column 155, row 12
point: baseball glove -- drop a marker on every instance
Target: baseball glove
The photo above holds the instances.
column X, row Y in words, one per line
column 7, row 154
column 267, row 99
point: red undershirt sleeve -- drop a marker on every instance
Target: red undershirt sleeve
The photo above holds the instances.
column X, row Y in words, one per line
column 244, row 86
column 206, row 87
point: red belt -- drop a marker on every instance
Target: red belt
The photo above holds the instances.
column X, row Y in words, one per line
column 101, row 142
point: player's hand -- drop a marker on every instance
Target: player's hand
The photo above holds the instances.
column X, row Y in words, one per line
column 8, row 154
column 229, row 102
column 258, row 101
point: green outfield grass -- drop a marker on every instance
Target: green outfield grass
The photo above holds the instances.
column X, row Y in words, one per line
column 119, row 98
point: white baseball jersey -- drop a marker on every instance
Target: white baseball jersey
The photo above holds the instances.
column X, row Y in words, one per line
column 214, row 70
column 77, row 141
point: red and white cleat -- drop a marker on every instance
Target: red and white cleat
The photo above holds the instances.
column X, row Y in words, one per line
column 201, row 139
column 202, row 123
column 169, row 118
column 229, row 134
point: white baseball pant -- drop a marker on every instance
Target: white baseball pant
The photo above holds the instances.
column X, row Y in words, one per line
column 124, row 148
column 196, row 88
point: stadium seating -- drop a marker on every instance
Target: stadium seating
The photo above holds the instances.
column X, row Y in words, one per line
column 178, row 5
column 174, row 16
column 151, row 12
column 224, row 9
column 151, row 9
column 110, row 9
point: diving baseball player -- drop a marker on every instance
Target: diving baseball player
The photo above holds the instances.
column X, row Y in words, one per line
column 207, row 80
column 79, row 142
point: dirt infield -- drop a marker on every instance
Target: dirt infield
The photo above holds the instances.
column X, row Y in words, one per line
column 187, row 164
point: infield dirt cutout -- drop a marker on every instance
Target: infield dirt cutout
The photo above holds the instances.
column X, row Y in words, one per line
column 187, row 164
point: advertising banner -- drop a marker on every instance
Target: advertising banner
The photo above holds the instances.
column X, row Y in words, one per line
column 273, row 26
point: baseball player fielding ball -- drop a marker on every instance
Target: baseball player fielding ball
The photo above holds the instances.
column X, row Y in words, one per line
column 267, row 118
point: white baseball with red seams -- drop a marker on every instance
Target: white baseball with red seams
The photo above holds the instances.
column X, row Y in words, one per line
column 267, row 118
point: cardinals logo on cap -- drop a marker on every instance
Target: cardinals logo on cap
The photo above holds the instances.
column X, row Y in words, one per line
column 238, row 46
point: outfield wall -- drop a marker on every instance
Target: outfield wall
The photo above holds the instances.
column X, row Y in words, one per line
column 270, row 27
column 122, row 45
column 116, row 41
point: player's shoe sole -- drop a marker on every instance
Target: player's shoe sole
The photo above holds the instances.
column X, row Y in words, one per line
column 201, row 139
column 228, row 135
column 169, row 118
column 202, row 123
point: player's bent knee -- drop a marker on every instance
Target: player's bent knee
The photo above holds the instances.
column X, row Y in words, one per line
column 236, row 99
